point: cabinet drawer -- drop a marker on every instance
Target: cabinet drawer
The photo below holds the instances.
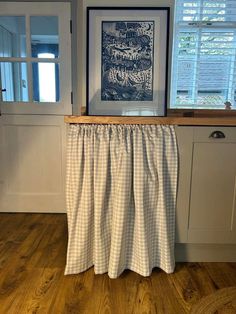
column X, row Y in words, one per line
column 203, row 134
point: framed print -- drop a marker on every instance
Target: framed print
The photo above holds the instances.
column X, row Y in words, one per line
column 127, row 61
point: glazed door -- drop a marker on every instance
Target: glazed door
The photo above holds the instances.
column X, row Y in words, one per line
column 35, row 94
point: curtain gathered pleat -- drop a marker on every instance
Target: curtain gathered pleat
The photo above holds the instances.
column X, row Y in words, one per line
column 121, row 197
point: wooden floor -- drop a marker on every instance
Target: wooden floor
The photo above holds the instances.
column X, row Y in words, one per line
column 32, row 261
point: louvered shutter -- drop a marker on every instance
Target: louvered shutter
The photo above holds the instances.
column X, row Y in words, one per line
column 204, row 54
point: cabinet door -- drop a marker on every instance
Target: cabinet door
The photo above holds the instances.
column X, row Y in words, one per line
column 213, row 193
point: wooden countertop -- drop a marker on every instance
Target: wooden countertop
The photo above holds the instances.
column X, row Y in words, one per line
column 204, row 121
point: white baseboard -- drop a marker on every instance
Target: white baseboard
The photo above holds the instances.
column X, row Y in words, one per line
column 32, row 210
column 205, row 252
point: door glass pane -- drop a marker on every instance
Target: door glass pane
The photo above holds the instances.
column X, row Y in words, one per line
column 13, row 81
column 44, row 35
column 45, row 80
column 12, row 36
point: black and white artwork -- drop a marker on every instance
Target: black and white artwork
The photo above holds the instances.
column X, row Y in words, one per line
column 127, row 60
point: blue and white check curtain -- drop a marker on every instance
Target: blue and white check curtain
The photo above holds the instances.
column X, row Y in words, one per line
column 121, row 197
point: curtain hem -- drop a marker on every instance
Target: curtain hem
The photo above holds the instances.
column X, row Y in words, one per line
column 144, row 274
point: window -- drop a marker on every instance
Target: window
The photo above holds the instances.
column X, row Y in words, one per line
column 204, row 54
column 13, row 43
column 47, row 79
column 35, row 58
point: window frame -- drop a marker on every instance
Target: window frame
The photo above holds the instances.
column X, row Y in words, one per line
column 198, row 27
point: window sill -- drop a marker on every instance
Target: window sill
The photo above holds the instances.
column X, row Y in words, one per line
column 208, row 113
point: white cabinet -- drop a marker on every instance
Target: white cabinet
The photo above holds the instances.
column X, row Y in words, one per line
column 206, row 199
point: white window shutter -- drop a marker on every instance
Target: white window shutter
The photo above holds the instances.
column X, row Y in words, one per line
column 204, row 55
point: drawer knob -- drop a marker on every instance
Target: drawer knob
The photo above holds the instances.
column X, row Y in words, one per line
column 217, row 134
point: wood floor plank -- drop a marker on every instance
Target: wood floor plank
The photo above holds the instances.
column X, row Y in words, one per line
column 101, row 296
column 74, row 293
column 222, row 274
column 119, row 294
column 32, row 280
column 168, row 299
column 13, row 274
column 41, row 292
column 201, row 278
column 145, row 301
column 185, row 285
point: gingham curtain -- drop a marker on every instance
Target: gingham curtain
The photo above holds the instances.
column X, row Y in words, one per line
column 121, row 196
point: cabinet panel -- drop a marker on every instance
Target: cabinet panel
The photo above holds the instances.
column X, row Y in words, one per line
column 212, row 202
column 185, row 144
column 32, row 163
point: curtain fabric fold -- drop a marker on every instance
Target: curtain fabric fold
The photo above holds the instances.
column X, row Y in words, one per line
column 121, row 197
